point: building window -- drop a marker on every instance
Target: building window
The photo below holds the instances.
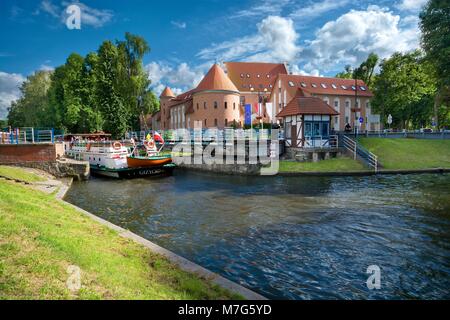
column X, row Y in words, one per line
column 226, row 105
column 197, row 106
column 234, row 105
column 226, row 122
column 291, row 84
column 323, row 85
column 215, row 122
column 313, row 85
column 215, row 104
column 205, row 122
column 204, row 105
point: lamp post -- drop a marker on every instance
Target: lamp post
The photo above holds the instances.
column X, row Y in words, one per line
column 357, row 106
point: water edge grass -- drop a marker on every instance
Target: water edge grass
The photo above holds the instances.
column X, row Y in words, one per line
column 403, row 153
column 40, row 237
column 340, row 164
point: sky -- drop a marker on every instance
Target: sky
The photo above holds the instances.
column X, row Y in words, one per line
column 315, row 37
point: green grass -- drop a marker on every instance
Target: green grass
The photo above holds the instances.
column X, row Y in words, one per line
column 41, row 236
column 19, row 174
column 331, row 165
column 409, row 153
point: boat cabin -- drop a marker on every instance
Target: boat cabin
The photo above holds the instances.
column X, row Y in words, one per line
column 307, row 122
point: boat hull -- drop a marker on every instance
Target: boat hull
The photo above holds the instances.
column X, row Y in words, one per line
column 130, row 173
column 136, row 162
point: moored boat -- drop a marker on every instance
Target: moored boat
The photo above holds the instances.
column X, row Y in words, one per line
column 114, row 159
column 152, row 161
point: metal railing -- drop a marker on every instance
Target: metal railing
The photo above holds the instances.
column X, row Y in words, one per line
column 177, row 135
column 359, row 152
column 27, row 135
column 322, row 141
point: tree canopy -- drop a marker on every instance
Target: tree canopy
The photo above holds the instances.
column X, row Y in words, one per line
column 105, row 90
column 405, row 89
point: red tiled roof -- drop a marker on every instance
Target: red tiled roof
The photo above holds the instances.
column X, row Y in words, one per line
column 302, row 104
column 216, row 79
column 324, row 86
column 255, row 74
column 167, row 93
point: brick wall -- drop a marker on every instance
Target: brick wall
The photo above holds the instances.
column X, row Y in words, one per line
column 11, row 154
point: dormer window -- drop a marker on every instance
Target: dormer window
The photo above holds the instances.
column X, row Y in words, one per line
column 353, row 88
column 291, row 84
column 303, row 84
column 242, row 75
column 323, row 85
column 259, row 76
column 343, row 87
column 313, row 85
column 268, row 75
column 362, row 88
column 334, row 86
column 248, row 75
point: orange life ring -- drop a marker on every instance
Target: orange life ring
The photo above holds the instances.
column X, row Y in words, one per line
column 117, row 145
column 149, row 144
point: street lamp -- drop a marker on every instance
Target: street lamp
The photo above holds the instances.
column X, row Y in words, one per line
column 357, row 106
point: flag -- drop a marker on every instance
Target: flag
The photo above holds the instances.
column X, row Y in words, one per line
column 248, row 114
column 256, row 108
column 158, row 137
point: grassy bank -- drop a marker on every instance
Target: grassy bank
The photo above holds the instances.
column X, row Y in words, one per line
column 331, row 165
column 41, row 237
column 19, row 174
column 409, row 153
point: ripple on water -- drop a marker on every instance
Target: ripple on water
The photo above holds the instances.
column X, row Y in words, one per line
column 293, row 238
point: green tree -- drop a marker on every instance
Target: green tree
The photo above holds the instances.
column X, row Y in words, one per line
column 111, row 105
column 29, row 109
column 134, row 80
column 364, row 72
column 435, row 26
column 404, row 88
column 346, row 74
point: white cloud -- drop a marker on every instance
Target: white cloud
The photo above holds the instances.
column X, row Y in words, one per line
column 179, row 78
column 275, row 41
column 351, row 37
column 48, row 7
column 295, row 69
column 411, row 5
column 9, row 90
column 317, row 8
column 179, row 24
column 263, row 9
column 89, row 16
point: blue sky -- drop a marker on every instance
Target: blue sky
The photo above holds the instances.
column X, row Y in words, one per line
column 315, row 37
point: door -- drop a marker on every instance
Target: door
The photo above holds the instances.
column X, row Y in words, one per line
column 294, row 137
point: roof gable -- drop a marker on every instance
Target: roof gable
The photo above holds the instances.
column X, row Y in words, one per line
column 216, row 79
column 303, row 104
column 259, row 75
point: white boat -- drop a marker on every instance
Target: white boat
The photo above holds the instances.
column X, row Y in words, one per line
column 109, row 158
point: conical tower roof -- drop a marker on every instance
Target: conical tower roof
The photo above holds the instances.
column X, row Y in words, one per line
column 167, row 93
column 216, row 79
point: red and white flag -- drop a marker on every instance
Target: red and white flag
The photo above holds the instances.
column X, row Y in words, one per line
column 157, row 137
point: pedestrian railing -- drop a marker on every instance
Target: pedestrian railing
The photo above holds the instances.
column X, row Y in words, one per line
column 359, row 152
column 27, row 135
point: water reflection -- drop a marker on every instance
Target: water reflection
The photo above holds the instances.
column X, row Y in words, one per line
column 308, row 237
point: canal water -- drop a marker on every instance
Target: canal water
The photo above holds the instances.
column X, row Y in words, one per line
column 293, row 237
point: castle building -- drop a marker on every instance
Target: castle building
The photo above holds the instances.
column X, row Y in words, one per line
column 219, row 99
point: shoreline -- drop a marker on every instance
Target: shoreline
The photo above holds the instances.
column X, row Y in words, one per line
column 181, row 262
